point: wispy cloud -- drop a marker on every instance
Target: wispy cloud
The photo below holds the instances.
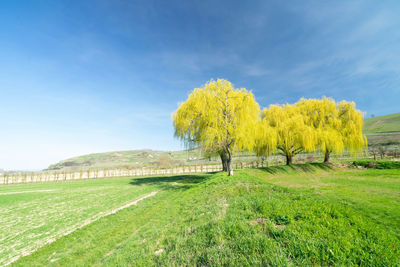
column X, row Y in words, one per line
column 255, row 70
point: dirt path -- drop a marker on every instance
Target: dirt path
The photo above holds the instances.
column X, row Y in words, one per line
column 86, row 222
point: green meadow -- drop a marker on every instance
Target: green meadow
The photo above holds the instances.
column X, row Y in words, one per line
column 35, row 214
column 309, row 214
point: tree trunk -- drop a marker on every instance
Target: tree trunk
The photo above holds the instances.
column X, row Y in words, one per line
column 229, row 162
column 289, row 159
column 327, row 155
column 224, row 161
column 230, row 167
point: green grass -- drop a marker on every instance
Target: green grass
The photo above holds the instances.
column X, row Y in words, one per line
column 301, row 215
column 28, row 220
column 374, row 192
column 387, row 123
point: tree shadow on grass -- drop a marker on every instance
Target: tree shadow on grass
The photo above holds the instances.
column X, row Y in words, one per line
column 308, row 167
column 172, row 182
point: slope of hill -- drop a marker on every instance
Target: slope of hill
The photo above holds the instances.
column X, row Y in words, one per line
column 141, row 158
column 383, row 130
column 386, row 123
column 130, row 159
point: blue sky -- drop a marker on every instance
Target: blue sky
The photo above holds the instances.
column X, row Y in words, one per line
column 78, row 77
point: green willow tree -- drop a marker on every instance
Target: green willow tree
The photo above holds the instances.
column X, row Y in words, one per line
column 218, row 119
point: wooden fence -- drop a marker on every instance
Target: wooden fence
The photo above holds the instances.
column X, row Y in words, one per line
column 59, row 176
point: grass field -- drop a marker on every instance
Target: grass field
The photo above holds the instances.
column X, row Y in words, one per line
column 302, row 215
column 32, row 215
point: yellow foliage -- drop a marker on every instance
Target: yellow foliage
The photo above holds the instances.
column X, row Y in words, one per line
column 293, row 134
column 221, row 119
column 265, row 139
column 312, row 124
column 218, row 117
column 338, row 126
column 352, row 121
column 323, row 116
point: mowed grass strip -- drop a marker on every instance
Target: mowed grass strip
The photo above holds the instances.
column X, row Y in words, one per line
column 241, row 220
column 35, row 214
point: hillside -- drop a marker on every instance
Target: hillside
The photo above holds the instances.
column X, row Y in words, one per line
column 129, row 159
column 383, row 130
column 386, row 123
column 139, row 159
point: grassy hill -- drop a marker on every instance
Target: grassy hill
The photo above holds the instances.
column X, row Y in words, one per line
column 302, row 215
column 386, row 123
column 130, row 159
column 383, row 130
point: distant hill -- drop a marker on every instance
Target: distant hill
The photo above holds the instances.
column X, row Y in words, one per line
column 141, row 158
column 386, row 123
column 383, row 130
column 130, row 159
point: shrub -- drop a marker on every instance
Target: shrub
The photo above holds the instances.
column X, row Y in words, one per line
column 380, row 164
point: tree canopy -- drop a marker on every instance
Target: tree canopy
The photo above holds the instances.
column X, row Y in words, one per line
column 311, row 125
column 218, row 118
column 338, row 126
column 323, row 116
column 293, row 134
column 352, row 121
column 221, row 119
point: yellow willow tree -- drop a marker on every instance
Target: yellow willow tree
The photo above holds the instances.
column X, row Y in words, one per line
column 323, row 116
column 352, row 121
column 337, row 126
column 266, row 139
column 218, row 119
column 293, row 135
